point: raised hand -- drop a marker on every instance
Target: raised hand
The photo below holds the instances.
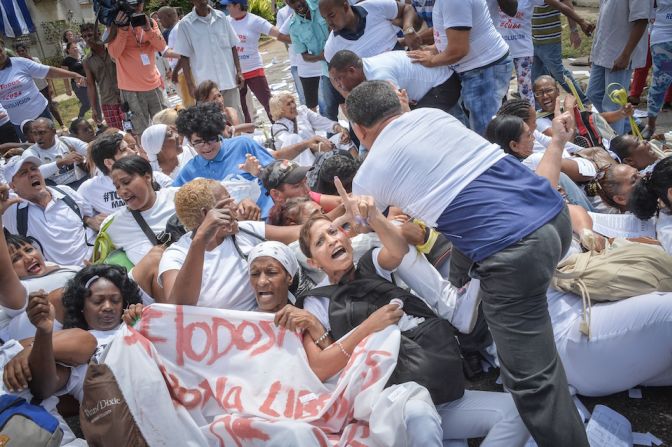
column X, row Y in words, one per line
column 41, row 312
column 6, row 200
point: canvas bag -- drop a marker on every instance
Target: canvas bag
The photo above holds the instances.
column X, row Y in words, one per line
column 104, row 416
column 623, row 270
column 27, row 425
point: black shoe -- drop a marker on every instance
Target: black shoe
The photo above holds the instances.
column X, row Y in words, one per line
column 667, row 106
column 472, row 365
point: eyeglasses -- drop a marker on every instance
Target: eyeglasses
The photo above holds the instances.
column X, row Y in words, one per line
column 541, row 93
column 200, row 143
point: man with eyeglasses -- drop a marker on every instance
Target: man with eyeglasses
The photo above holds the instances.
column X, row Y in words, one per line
column 218, row 157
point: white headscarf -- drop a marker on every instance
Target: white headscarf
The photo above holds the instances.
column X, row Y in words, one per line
column 152, row 140
column 278, row 251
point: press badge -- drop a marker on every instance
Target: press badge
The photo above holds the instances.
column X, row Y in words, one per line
column 144, row 58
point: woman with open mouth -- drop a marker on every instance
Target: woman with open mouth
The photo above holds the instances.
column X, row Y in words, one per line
column 23, row 271
column 349, row 293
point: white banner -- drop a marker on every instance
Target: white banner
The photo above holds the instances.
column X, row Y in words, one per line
column 200, row 376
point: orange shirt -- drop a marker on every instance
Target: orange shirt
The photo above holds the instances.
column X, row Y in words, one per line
column 134, row 52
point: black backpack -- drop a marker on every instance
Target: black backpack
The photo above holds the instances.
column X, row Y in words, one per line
column 428, row 354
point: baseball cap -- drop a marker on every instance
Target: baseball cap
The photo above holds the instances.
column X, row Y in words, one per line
column 282, row 171
column 14, row 164
column 233, row 2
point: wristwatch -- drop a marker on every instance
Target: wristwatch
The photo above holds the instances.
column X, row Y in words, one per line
column 409, row 30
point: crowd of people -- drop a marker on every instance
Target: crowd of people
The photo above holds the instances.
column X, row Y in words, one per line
column 405, row 166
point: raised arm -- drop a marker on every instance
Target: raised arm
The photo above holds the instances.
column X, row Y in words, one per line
column 563, row 131
column 77, row 346
column 184, row 286
column 12, row 292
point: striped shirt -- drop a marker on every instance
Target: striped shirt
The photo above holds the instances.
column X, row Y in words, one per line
column 546, row 26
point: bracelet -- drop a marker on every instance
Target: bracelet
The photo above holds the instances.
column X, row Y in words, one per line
column 322, row 338
column 345, row 353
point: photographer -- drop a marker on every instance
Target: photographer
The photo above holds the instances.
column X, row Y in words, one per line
column 136, row 40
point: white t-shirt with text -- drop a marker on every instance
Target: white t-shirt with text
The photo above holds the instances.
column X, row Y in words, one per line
column 125, row 232
column 18, row 93
column 249, row 29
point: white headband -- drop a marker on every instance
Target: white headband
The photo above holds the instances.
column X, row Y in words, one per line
column 278, row 251
column 91, row 280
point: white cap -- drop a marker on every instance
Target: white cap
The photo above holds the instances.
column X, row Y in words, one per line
column 152, row 140
column 14, row 164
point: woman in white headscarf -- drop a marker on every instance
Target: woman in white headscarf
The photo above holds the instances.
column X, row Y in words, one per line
column 161, row 143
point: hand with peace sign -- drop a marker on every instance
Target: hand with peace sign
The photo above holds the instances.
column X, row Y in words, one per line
column 359, row 210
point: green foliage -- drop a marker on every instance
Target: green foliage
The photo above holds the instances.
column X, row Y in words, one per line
column 262, row 8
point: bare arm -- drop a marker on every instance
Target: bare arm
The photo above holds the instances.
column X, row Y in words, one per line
column 563, row 131
column 312, row 57
column 186, row 69
column 91, row 91
column 638, row 29
column 571, row 14
column 286, row 235
column 458, row 48
column 275, row 32
column 12, row 292
column 59, row 73
column 325, row 363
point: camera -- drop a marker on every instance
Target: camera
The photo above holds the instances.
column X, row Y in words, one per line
column 107, row 10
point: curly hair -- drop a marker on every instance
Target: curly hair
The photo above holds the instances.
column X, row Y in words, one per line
column 644, row 197
column 284, row 214
column 193, row 197
column 206, row 120
column 341, row 165
column 276, row 104
column 76, row 292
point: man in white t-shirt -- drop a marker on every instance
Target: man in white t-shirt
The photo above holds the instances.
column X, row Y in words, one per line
column 56, row 218
column 207, row 42
column 63, row 158
column 466, row 40
column 509, row 228
column 426, row 87
column 367, row 28
column 249, row 27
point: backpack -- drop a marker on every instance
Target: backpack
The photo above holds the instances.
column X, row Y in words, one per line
column 27, row 425
column 428, row 354
column 623, row 270
column 104, row 415
column 591, row 129
column 22, row 216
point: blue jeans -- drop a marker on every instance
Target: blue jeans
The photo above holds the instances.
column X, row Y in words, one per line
column 483, row 90
column 600, row 78
column 548, row 61
column 328, row 99
column 298, row 85
column 661, row 58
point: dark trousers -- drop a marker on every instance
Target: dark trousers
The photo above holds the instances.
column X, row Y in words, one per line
column 443, row 96
column 260, row 88
column 513, row 289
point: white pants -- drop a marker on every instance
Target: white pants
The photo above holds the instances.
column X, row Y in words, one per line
column 477, row 414
column 630, row 345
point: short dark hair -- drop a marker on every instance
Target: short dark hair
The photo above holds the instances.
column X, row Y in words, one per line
column 343, row 166
column 643, row 201
column 75, row 124
column 17, row 241
column 104, row 148
column 76, row 292
column 503, row 129
column 371, row 102
column 344, row 59
column 87, row 27
column 304, row 235
column 622, row 145
column 206, row 120
column 19, row 46
column 136, row 165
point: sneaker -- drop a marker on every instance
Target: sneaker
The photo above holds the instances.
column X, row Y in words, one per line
column 466, row 307
column 647, row 133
